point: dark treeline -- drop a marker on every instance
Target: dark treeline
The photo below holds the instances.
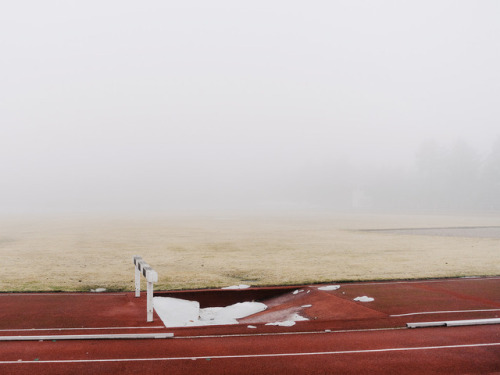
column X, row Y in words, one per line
column 457, row 178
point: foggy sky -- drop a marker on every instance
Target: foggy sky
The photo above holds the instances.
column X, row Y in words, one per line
column 118, row 105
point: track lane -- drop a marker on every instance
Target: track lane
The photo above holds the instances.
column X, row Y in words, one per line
column 249, row 345
column 472, row 350
column 355, row 345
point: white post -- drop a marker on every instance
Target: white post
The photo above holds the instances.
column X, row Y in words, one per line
column 137, row 282
column 151, row 277
column 137, row 260
column 150, row 302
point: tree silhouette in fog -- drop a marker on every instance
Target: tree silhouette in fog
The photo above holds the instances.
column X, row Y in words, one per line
column 490, row 179
column 455, row 178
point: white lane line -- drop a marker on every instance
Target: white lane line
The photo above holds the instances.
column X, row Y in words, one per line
column 73, row 329
column 256, row 355
column 323, row 331
column 120, row 336
column 63, row 294
column 417, row 281
column 443, row 312
column 219, row 335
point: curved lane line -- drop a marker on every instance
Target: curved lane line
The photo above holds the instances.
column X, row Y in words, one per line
column 416, row 281
column 257, row 355
column 10, row 294
column 322, row 331
column 74, row 329
column 442, row 312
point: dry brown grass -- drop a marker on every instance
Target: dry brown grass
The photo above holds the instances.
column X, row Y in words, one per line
column 215, row 251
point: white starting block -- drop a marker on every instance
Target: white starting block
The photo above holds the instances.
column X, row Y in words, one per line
column 151, row 277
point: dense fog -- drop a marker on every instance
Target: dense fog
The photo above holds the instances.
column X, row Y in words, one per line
column 163, row 106
column 441, row 179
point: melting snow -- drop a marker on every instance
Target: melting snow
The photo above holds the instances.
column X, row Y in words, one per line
column 241, row 286
column 175, row 312
column 290, row 322
column 298, row 291
column 296, row 318
column 286, row 323
column 364, row 299
column 329, row 287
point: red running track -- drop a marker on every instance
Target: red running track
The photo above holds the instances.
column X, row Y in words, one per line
column 342, row 336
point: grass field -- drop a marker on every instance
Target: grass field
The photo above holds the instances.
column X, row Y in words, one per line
column 41, row 254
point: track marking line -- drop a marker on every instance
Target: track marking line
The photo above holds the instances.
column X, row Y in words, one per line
column 255, row 355
column 61, row 294
column 323, row 331
column 443, row 312
column 119, row 336
column 75, row 329
column 467, row 278
column 320, row 331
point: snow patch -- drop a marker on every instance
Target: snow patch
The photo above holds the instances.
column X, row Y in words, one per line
column 175, row 312
column 297, row 318
column 306, row 306
column 286, row 323
column 98, row 290
column 364, row 299
column 329, row 287
column 237, row 311
column 241, row 286
column 298, row 291
column 289, row 322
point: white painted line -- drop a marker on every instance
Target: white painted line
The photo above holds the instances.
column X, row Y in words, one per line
column 256, row 355
column 322, row 331
column 62, row 294
column 75, row 329
column 416, row 281
column 443, row 312
column 131, row 336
